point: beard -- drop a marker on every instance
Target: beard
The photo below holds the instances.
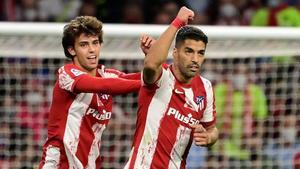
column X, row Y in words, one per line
column 189, row 71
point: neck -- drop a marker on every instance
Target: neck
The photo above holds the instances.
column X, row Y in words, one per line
column 91, row 72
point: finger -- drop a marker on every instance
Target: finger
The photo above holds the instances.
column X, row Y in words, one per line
column 201, row 140
column 200, row 143
column 200, row 135
column 148, row 43
column 198, row 128
column 143, row 38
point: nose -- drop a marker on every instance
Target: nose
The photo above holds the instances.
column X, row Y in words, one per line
column 195, row 58
column 91, row 48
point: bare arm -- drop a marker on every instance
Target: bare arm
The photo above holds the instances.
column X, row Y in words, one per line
column 205, row 136
column 158, row 52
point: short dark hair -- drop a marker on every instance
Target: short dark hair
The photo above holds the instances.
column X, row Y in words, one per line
column 82, row 24
column 190, row 32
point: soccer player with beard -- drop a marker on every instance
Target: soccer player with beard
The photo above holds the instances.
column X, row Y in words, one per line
column 176, row 104
column 82, row 98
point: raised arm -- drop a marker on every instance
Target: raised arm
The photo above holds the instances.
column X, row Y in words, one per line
column 158, row 52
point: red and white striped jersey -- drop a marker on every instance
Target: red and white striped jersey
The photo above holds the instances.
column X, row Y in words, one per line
column 76, row 121
column 166, row 109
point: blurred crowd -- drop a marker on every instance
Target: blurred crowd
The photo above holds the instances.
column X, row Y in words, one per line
column 208, row 12
column 256, row 99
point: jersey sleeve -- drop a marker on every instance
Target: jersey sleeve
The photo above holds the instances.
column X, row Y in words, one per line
column 159, row 80
column 117, row 73
column 113, row 86
column 68, row 76
column 74, row 80
column 209, row 115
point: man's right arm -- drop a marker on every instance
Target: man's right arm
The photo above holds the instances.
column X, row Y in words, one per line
column 72, row 79
column 113, row 86
column 158, row 52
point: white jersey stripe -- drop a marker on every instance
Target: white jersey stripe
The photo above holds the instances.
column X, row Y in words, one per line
column 207, row 115
column 189, row 99
column 182, row 140
column 76, row 112
column 94, row 151
column 158, row 105
column 52, row 158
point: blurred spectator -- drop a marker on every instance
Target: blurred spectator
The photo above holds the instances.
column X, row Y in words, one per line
column 248, row 8
column 297, row 160
column 132, row 13
column 277, row 13
column 4, row 143
column 241, row 107
column 27, row 10
column 87, row 8
column 285, row 149
column 33, row 112
column 228, row 13
column 59, row 10
column 156, row 7
column 7, row 10
column 162, row 18
column 110, row 11
column 166, row 12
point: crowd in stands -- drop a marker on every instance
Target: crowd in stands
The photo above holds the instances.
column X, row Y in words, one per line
column 208, row 12
column 257, row 99
column 256, row 104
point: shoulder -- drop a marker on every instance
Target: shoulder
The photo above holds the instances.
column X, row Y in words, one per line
column 71, row 70
column 200, row 80
column 205, row 81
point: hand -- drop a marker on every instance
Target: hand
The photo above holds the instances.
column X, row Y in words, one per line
column 146, row 42
column 201, row 136
column 185, row 14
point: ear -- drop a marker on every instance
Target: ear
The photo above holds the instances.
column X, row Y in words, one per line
column 175, row 52
column 71, row 51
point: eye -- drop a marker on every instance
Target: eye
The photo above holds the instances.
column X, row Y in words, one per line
column 188, row 51
column 83, row 44
column 96, row 42
column 201, row 52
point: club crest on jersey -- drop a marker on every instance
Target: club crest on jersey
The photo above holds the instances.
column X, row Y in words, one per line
column 77, row 72
column 200, row 100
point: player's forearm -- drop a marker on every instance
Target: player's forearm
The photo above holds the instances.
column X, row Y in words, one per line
column 158, row 52
column 157, row 55
column 214, row 135
column 111, row 86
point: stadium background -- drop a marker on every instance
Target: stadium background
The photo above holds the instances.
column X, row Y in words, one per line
column 271, row 141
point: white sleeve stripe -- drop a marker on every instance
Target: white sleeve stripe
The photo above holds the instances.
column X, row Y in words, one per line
column 208, row 115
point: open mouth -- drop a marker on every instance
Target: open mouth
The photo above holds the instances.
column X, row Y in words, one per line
column 92, row 59
column 194, row 68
